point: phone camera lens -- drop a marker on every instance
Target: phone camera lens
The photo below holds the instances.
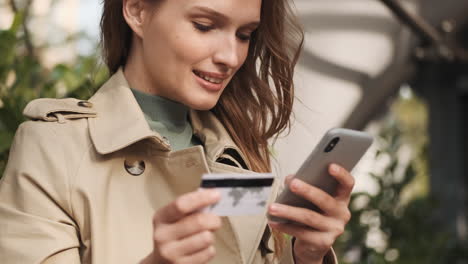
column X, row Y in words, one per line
column 332, row 144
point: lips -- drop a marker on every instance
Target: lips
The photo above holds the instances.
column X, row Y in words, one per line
column 212, row 82
column 214, row 78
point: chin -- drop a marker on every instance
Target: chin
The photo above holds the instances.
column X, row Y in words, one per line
column 202, row 103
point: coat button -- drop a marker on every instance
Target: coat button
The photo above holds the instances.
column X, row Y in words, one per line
column 86, row 104
column 135, row 167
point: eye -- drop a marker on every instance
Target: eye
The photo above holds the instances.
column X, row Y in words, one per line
column 202, row 27
column 244, row 37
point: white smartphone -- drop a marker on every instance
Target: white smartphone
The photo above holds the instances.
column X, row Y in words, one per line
column 344, row 147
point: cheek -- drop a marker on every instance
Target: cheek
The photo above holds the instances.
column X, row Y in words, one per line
column 155, row 50
column 243, row 53
column 167, row 49
column 189, row 49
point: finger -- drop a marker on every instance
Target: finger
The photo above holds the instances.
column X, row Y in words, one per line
column 189, row 225
column 318, row 197
column 190, row 245
column 187, row 204
column 304, row 216
column 288, row 179
column 200, row 257
column 318, row 240
column 345, row 179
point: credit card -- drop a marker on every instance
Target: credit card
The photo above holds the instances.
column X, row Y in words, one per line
column 241, row 194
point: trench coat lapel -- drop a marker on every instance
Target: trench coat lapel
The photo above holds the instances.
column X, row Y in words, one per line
column 214, row 136
column 248, row 230
column 121, row 123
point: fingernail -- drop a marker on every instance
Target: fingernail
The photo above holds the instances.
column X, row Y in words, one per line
column 274, row 207
column 335, row 168
column 214, row 193
column 273, row 223
column 295, row 184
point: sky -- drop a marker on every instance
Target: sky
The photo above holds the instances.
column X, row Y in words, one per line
column 88, row 21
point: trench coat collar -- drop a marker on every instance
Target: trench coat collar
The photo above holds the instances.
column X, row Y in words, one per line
column 120, row 122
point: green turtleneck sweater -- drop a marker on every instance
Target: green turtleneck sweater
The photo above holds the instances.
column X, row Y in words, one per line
column 168, row 118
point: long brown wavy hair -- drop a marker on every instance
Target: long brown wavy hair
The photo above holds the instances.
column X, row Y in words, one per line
column 257, row 104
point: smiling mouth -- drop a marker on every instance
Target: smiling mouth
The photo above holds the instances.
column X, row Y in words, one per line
column 208, row 78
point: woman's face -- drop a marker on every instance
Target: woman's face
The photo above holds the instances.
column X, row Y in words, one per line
column 192, row 48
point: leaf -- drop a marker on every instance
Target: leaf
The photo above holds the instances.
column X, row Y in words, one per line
column 7, row 53
column 6, row 139
column 17, row 21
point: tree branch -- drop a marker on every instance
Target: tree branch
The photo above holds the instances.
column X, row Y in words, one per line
column 24, row 24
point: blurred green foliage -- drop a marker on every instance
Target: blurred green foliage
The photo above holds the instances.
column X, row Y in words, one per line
column 395, row 225
column 24, row 77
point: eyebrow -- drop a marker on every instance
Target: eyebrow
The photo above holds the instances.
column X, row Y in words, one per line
column 220, row 16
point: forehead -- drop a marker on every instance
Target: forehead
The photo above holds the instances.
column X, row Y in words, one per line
column 235, row 10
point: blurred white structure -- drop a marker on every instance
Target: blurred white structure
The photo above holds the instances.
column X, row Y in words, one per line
column 359, row 35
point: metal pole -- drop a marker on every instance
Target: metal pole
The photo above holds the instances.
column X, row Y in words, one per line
column 417, row 24
column 445, row 47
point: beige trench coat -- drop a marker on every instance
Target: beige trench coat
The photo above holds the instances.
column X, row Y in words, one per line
column 67, row 196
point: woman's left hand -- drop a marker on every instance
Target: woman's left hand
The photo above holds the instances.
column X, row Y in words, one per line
column 319, row 230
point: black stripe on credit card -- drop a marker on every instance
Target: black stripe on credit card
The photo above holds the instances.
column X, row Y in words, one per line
column 230, row 183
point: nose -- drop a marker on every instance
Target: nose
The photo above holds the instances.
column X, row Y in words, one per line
column 228, row 53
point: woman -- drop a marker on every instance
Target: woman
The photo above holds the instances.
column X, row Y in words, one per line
column 114, row 179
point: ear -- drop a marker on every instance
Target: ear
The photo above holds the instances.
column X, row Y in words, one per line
column 134, row 13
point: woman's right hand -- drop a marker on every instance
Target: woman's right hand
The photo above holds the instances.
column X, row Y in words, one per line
column 182, row 233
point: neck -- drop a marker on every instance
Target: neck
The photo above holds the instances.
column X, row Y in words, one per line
column 161, row 109
column 136, row 73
